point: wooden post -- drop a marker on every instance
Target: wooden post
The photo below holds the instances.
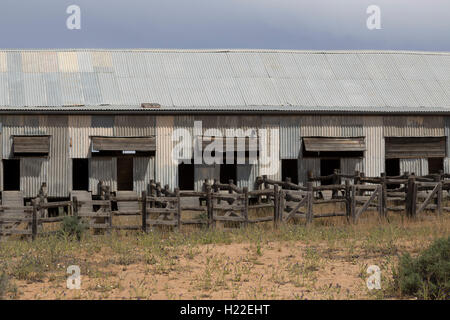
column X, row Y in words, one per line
column 75, row 206
column 34, row 219
column 209, row 205
column 266, row 185
column 245, row 193
column 356, row 178
column 353, row 204
column 259, row 187
column 276, row 205
column 177, row 194
column 309, row 210
column 384, row 194
column 380, row 201
column 144, row 211
column 411, row 197
column 439, row 199
column 281, row 205
column 347, row 200
column 109, row 209
column 309, row 176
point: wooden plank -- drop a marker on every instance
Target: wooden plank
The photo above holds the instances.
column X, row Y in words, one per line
column 162, row 222
column 99, row 214
column 124, row 143
column 127, row 207
column 193, row 221
column 14, row 231
column 427, row 201
column 366, row 205
column 318, row 144
column 84, row 199
column 237, row 143
column 31, row 144
column 415, row 147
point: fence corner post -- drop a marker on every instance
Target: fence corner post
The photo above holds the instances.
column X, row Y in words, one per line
column 353, row 204
column 177, row 195
column 276, row 205
column 34, row 219
column 209, row 205
column 411, row 197
column 144, row 211
column 347, row 200
column 439, row 199
column 309, row 212
column 384, row 192
column 246, row 200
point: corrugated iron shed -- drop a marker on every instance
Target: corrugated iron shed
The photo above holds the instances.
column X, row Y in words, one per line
column 224, row 80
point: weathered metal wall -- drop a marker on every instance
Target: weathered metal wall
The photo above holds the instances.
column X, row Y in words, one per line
column 70, row 139
column 143, row 172
column 79, row 130
column 447, row 134
column 269, row 155
column 290, row 141
column 166, row 170
column 102, row 169
column 246, row 175
column 350, row 165
column 59, row 163
column 202, row 172
column 417, row 166
column 413, row 126
column 305, row 165
column 374, row 156
column 33, row 172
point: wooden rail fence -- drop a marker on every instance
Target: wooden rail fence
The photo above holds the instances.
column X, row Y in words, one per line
column 230, row 205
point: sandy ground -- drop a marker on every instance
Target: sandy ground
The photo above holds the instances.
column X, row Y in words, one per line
column 277, row 270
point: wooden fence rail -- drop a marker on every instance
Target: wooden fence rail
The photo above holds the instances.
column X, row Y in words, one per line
column 228, row 204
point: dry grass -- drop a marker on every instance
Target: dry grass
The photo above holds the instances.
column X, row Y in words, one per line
column 325, row 261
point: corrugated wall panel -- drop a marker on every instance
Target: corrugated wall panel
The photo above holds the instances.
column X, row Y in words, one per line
column 185, row 124
column 60, row 166
column 12, row 125
column 305, row 165
column 350, row 165
column 33, row 172
column 374, row 155
column 143, row 172
column 417, row 166
column 447, row 165
column 166, row 170
column 79, row 141
column 246, row 175
column 269, row 154
column 447, row 151
column 102, row 169
column 413, row 126
column 290, row 141
column 202, row 172
column 129, row 126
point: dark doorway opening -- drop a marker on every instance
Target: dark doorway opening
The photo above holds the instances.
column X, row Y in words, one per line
column 289, row 169
column 392, row 170
column 11, row 174
column 125, row 173
column 435, row 165
column 327, row 167
column 228, row 172
column 80, row 174
column 186, row 176
column 392, row 167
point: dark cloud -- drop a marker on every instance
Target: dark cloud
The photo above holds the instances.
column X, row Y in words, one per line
column 286, row 24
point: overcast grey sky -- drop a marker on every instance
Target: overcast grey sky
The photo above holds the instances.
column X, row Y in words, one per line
column 272, row 24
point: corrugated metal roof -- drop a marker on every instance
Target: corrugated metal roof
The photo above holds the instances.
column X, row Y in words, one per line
column 224, row 80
